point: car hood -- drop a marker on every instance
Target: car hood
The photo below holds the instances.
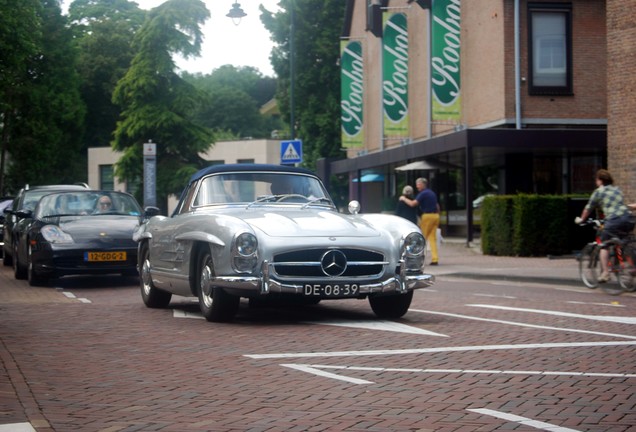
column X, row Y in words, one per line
column 310, row 223
column 91, row 227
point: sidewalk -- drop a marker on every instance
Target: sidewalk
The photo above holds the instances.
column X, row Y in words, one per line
column 456, row 259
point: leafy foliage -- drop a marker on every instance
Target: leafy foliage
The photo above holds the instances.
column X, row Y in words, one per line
column 157, row 103
column 104, row 30
column 316, row 76
column 46, row 112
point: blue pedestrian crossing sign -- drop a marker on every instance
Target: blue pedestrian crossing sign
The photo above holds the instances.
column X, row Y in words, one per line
column 291, row 152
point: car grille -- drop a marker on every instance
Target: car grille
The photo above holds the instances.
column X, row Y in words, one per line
column 328, row 262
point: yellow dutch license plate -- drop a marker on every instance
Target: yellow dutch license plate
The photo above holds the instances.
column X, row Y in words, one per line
column 104, row 256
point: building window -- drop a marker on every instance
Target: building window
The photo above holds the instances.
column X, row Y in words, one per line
column 106, row 178
column 550, row 48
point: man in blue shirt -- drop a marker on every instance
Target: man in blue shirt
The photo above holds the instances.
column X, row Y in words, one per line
column 426, row 199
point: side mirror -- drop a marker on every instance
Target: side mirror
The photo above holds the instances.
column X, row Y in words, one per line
column 151, row 211
column 24, row 213
column 7, row 211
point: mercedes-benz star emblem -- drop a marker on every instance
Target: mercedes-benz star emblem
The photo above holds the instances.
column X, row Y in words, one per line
column 333, row 263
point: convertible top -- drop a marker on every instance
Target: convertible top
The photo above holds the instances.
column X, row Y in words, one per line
column 213, row 169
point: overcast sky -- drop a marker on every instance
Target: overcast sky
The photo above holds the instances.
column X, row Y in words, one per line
column 246, row 44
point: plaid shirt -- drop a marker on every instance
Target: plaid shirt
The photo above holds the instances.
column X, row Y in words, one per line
column 608, row 199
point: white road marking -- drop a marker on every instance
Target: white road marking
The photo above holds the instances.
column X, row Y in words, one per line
column 379, row 325
column 84, row 300
column 440, row 350
column 69, row 294
column 522, row 420
column 369, row 325
column 315, row 371
column 318, row 369
column 17, row 427
column 569, row 330
column 613, row 304
column 495, row 296
column 615, row 319
column 177, row 313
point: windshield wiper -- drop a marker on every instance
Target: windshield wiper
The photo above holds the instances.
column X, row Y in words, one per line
column 263, row 198
column 317, row 200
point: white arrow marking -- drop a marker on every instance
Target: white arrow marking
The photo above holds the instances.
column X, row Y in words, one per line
column 441, row 349
column 565, row 329
column 380, row 325
column 522, row 420
column 315, row 371
column 616, row 319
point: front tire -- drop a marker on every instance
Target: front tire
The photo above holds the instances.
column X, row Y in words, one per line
column 589, row 266
column 216, row 304
column 391, row 307
column 19, row 271
column 151, row 295
column 34, row 278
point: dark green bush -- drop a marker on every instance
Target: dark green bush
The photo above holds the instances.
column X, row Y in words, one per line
column 527, row 225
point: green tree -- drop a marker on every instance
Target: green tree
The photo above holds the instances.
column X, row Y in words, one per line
column 233, row 98
column 157, row 103
column 104, row 30
column 48, row 113
column 316, row 77
column 20, row 38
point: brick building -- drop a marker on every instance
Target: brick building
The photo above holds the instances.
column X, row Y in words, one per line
column 496, row 97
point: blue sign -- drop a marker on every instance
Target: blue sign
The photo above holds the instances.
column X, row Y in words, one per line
column 291, row 152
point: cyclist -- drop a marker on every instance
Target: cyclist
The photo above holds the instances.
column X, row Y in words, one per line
column 619, row 221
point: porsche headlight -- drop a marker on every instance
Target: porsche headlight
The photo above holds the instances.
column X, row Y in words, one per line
column 245, row 253
column 54, row 234
column 414, row 244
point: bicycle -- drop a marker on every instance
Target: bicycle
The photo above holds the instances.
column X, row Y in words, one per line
column 622, row 256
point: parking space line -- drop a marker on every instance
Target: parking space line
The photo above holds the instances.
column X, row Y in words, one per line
column 315, row 371
column 16, row 427
column 440, row 350
column 514, row 323
column 378, row 325
column 522, row 420
column 614, row 319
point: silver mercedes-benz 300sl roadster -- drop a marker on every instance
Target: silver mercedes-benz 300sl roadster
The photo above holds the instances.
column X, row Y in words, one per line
column 268, row 231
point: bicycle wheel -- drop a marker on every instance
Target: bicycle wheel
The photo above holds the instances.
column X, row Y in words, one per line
column 627, row 276
column 614, row 267
column 589, row 266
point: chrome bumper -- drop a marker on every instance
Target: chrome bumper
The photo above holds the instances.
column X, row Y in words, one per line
column 400, row 283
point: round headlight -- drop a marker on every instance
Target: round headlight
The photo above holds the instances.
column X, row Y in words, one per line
column 246, row 244
column 414, row 244
column 354, row 207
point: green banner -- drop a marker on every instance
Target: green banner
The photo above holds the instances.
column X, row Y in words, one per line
column 445, row 60
column 395, row 75
column 351, row 94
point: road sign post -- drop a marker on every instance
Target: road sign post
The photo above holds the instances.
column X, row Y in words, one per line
column 150, row 174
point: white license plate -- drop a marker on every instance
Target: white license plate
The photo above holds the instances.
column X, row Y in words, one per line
column 331, row 290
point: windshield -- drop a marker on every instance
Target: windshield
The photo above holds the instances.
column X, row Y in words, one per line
column 79, row 203
column 250, row 187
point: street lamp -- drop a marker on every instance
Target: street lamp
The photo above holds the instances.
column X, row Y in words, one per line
column 236, row 13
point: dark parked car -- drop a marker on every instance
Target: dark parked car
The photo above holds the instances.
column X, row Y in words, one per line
column 26, row 200
column 272, row 232
column 79, row 232
column 5, row 202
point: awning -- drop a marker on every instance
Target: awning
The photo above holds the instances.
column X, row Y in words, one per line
column 418, row 165
column 368, row 178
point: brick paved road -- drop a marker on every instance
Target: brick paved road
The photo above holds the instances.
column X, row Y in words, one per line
column 489, row 356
